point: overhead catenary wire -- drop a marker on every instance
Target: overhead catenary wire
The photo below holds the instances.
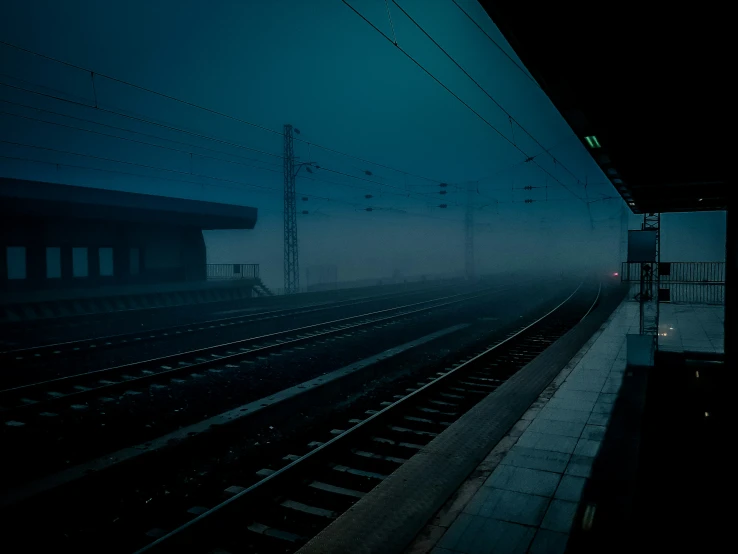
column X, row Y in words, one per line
column 481, row 88
column 127, row 139
column 500, row 48
column 465, row 104
column 205, row 137
column 277, row 191
column 523, row 70
column 139, row 87
column 133, row 132
column 389, row 16
column 102, row 158
column 199, row 135
column 273, row 170
column 88, row 168
column 193, row 105
column 183, row 131
column 132, row 117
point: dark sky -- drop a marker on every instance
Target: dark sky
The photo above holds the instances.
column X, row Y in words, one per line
column 317, row 65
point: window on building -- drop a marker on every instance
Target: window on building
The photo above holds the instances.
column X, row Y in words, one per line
column 16, row 256
column 80, row 267
column 53, row 262
column 106, row 262
column 135, row 261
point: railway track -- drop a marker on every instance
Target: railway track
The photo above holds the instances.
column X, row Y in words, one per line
column 50, row 353
column 19, row 403
column 296, row 496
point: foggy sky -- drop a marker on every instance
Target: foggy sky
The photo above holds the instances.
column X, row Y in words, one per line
column 317, row 65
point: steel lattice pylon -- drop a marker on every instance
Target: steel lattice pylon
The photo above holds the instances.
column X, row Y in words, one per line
column 650, row 281
column 291, row 253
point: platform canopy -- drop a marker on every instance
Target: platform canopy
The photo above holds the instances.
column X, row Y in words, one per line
column 39, row 199
column 646, row 91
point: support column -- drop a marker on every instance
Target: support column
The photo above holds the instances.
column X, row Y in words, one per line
column 650, row 281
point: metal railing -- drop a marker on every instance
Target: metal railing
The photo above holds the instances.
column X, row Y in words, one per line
column 684, row 282
column 680, row 272
column 232, row 271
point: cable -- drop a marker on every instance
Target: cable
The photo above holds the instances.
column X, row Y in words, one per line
column 57, row 164
column 249, row 185
column 125, row 138
column 97, row 107
column 480, row 87
column 185, row 102
column 139, row 87
column 207, row 137
column 156, row 168
column 132, row 163
column 389, row 15
column 458, row 98
column 524, row 71
column 497, row 45
column 148, row 121
column 92, row 122
column 353, row 187
column 406, row 194
column 173, row 149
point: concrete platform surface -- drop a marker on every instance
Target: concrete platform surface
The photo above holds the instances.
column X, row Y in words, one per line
column 691, row 328
column 524, row 496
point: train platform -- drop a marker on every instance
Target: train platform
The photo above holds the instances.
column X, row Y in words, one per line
column 564, row 476
column 691, row 328
column 524, row 497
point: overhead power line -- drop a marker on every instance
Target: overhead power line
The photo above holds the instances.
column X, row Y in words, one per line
column 126, row 130
column 202, row 136
column 452, row 93
column 273, row 170
column 407, row 193
column 134, row 118
column 139, row 87
column 98, row 74
column 496, row 103
column 157, row 168
column 201, row 184
column 500, row 48
column 179, row 180
column 191, row 152
column 88, row 168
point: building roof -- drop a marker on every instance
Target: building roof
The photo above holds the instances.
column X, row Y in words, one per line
column 40, row 199
column 652, row 86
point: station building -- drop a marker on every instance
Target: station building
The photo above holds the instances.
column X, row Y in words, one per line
column 62, row 242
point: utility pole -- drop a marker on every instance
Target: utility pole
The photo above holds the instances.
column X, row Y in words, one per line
column 291, row 254
column 469, row 231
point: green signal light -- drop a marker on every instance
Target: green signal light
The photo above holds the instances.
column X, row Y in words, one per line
column 592, row 141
